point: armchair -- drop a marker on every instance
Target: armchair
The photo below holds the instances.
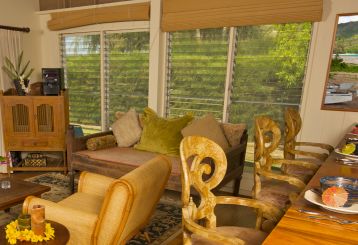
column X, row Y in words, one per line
column 276, row 187
column 107, row 210
column 202, row 157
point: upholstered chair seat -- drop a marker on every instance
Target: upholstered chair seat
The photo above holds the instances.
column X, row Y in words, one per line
column 303, row 173
column 277, row 192
column 248, row 235
column 107, row 211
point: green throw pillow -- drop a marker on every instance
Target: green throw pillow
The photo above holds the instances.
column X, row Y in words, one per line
column 161, row 135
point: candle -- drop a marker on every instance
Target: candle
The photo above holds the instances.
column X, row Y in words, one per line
column 24, row 222
column 38, row 219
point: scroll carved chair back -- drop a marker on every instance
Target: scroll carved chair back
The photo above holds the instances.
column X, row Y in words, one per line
column 293, row 124
column 202, row 151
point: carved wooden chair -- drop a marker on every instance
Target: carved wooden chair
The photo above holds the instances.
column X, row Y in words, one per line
column 293, row 124
column 275, row 186
column 203, row 168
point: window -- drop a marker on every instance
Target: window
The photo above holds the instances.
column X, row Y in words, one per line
column 197, row 71
column 81, row 60
column 123, row 70
column 266, row 72
column 126, row 71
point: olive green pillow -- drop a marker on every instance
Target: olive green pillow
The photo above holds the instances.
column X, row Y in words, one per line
column 161, row 135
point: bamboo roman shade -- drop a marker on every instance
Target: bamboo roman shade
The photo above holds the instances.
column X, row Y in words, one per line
column 200, row 14
column 76, row 18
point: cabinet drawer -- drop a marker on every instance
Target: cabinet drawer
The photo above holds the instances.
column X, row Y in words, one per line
column 35, row 143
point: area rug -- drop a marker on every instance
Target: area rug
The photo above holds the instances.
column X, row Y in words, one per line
column 163, row 226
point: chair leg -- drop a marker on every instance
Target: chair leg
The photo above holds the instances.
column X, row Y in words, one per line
column 72, row 181
column 237, row 186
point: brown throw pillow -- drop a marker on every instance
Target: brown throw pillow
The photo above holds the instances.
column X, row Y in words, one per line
column 101, row 142
column 233, row 132
column 208, row 127
column 127, row 129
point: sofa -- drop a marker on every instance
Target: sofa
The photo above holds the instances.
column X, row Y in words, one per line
column 117, row 161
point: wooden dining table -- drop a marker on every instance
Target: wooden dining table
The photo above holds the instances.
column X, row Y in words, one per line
column 297, row 228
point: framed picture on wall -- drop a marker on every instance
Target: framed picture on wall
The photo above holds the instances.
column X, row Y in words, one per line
column 341, row 88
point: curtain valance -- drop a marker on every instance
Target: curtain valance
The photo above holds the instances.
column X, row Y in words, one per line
column 77, row 18
column 198, row 14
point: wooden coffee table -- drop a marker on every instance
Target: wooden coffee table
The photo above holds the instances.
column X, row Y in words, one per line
column 62, row 235
column 18, row 191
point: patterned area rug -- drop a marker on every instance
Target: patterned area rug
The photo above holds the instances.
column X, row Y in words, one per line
column 164, row 224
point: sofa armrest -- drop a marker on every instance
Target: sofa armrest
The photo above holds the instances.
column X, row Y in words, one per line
column 75, row 144
column 236, row 155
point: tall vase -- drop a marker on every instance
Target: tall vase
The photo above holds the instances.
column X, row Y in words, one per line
column 20, row 91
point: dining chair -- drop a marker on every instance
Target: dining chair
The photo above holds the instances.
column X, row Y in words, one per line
column 271, row 182
column 203, row 167
column 293, row 124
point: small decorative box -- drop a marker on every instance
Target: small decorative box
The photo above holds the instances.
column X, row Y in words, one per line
column 34, row 160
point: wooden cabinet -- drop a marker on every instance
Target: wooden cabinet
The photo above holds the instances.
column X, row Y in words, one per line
column 35, row 123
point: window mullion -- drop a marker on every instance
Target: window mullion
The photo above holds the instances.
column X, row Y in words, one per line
column 229, row 72
column 104, row 97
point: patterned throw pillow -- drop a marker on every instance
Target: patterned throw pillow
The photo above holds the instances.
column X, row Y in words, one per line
column 101, row 142
column 127, row 129
column 160, row 134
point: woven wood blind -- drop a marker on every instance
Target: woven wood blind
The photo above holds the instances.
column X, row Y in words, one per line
column 200, row 14
column 70, row 19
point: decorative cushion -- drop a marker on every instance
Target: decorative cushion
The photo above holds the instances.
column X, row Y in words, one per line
column 233, row 132
column 208, row 127
column 127, row 129
column 161, row 135
column 101, row 142
column 304, row 174
column 119, row 114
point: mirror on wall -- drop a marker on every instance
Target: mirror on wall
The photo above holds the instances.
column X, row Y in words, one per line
column 341, row 89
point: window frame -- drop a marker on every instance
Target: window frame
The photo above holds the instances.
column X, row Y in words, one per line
column 102, row 29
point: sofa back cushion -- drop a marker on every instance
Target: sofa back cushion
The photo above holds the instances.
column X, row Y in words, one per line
column 233, row 132
column 208, row 127
column 126, row 129
column 161, row 135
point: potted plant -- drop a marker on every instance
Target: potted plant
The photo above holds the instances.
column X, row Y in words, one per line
column 20, row 75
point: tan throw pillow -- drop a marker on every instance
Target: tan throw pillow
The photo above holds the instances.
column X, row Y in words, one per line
column 233, row 132
column 101, row 142
column 127, row 129
column 208, row 127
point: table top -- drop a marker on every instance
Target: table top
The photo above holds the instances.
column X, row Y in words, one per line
column 297, row 228
column 18, row 191
column 62, row 235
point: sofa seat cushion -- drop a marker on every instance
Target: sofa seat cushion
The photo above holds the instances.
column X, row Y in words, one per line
column 83, row 202
column 122, row 156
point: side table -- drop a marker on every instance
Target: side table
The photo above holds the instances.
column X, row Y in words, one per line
column 62, row 235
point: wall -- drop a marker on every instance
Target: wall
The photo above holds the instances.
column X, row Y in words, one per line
column 323, row 125
column 22, row 13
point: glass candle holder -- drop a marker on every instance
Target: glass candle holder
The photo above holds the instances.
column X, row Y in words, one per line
column 24, row 222
column 5, row 184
